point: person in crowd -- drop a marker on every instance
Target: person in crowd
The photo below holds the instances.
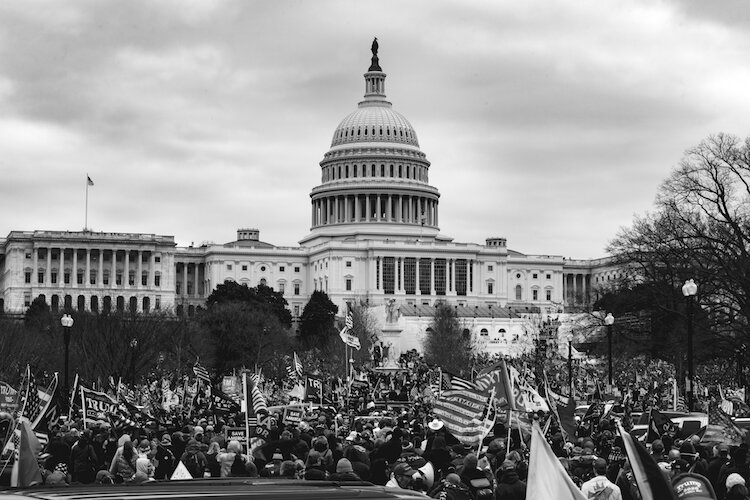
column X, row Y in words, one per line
column 599, row 486
column 164, row 458
column 83, row 459
column 314, row 468
column 212, row 459
column 735, row 487
column 193, row 459
column 122, row 468
column 509, row 486
column 344, row 472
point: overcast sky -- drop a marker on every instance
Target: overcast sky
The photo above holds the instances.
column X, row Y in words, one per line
column 548, row 123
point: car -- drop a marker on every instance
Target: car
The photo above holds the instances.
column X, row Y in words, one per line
column 218, row 489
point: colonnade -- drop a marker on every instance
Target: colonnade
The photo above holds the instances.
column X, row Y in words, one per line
column 576, row 288
column 398, row 208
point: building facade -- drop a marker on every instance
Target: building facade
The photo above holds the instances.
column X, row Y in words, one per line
column 374, row 237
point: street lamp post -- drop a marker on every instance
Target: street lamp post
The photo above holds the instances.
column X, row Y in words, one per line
column 570, row 365
column 689, row 289
column 67, row 323
column 609, row 320
column 133, row 345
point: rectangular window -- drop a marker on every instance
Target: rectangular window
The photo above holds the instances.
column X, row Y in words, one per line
column 490, row 268
column 157, row 280
column 131, row 278
column 535, row 275
column 440, row 272
column 296, row 289
column 348, row 263
column 535, row 295
column 28, row 255
column 53, row 277
column 460, row 265
column 549, row 294
column 190, row 288
column 296, row 269
column 424, row 276
column 296, row 311
column 229, row 267
column 79, row 279
column 40, row 278
column 118, row 279
column 105, row 279
column 144, row 279
column 490, row 288
column 281, row 269
column 281, row 288
column 410, row 275
column 26, row 299
column 157, row 302
column 27, row 277
column 66, row 278
column 157, row 259
column 244, row 268
column 549, row 276
column 377, row 274
column 389, row 275
column 348, row 285
column 92, row 278
column 177, row 288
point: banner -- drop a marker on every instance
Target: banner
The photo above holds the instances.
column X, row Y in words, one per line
column 467, row 414
column 547, row 477
column 349, row 339
column 495, row 380
column 97, row 407
column 8, row 398
column 221, row 403
column 293, row 416
column 313, row 388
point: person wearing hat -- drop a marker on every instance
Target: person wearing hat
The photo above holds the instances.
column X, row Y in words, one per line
column 719, row 458
column 164, row 458
column 599, row 486
column 344, row 471
column 509, row 485
column 736, row 488
column 452, row 488
column 402, row 476
column 314, row 468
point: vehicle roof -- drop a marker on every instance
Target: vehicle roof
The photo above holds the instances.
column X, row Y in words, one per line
column 216, row 489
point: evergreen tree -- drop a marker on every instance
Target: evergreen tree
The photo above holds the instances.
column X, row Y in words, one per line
column 317, row 321
column 445, row 345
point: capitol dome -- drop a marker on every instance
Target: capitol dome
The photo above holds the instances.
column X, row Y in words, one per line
column 374, row 177
column 374, row 121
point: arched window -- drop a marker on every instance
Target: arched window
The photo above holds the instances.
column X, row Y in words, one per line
column 81, row 303
column 146, row 304
column 519, row 292
column 94, row 304
column 107, row 304
column 483, row 332
column 133, row 305
column 263, row 281
column 120, row 303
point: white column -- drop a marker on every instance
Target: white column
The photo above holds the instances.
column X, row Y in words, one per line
column 100, row 273
column 113, row 270
column 74, row 272
column 195, row 280
column 357, row 209
column 367, row 207
column 139, row 278
column 126, row 281
column 87, row 277
column 48, row 271
column 152, row 269
column 418, row 290
column 432, row 276
column 337, row 208
column 400, row 208
column 184, row 278
column 400, row 277
column 388, row 211
column 378, row 212
column 452, row 274
column 35, row 278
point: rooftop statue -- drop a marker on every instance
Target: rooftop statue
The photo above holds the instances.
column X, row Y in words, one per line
column 374, row 65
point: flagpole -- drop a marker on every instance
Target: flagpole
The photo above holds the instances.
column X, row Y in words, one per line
column 86, row 215
column 247, row 413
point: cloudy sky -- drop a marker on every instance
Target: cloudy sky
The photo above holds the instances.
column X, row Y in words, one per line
column 548, row 123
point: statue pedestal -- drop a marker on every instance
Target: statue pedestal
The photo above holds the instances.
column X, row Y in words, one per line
column 391, row 336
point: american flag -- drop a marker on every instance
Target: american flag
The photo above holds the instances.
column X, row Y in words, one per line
column 31, row 403
column 201, row 372
column 256, row 399
column 295, row 369
column 458, row 383
column 349, row 322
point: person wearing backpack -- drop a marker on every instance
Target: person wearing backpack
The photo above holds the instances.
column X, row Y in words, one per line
column 164, row 458
column 194, row 460
column 233, row 462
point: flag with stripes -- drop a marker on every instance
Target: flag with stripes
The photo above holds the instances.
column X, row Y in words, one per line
column 201, row 372
column 349, row 322
column 458, row 383
column 255, row 401
column 297, row 365
column 467, row 414
column 721, row 428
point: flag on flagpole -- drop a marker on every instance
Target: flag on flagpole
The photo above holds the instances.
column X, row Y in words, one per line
column 297, row 365
column 496, row 378
column 89, row 181
column 651, row 482
column 721, row 429
column 26, row 471
column 201, row 372
column 547, row 478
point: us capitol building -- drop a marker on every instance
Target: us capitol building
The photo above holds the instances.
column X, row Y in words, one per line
column 374, row 238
